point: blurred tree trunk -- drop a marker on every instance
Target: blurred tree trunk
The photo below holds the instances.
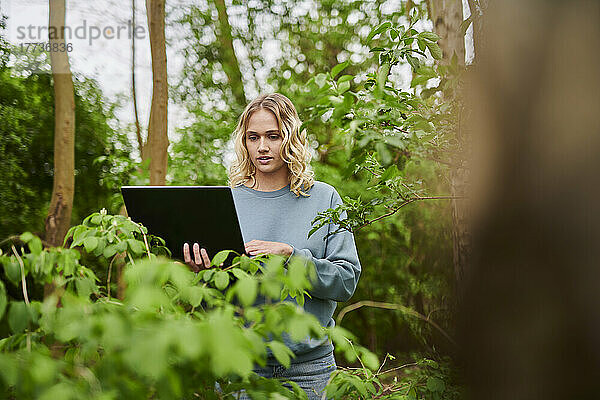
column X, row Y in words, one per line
column 158, row 141
column 227, row 53
column 530, row 317
column 447, row 16
column 61, row 204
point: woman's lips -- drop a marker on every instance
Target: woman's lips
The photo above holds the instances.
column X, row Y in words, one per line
column 264, row 160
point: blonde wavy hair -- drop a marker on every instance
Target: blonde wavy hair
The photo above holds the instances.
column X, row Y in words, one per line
column 294, row 150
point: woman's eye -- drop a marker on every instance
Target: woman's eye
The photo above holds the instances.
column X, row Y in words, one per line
column 274, row 137
column 252, row 138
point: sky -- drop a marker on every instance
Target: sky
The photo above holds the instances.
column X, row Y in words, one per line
column 101, row 48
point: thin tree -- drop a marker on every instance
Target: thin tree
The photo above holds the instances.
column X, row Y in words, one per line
column 158, row 141
column 138, row 129
column 61, row 204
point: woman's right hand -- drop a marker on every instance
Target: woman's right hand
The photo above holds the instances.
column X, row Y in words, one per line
column 200, row 259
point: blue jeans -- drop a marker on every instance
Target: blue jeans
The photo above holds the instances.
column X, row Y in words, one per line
column 311, row 376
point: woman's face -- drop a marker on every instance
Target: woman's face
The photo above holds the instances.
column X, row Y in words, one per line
column 263, row 141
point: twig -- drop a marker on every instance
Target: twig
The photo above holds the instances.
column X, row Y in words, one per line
column 108, row 279
column 146, row 243
column 391, row 306
column 22, row 274
column 400, row 367
column 408, row 201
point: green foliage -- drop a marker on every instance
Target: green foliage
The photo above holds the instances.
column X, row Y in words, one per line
column 424, row 379
column 172, row 335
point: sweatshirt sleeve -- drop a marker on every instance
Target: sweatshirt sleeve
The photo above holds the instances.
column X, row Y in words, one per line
column 337, row 273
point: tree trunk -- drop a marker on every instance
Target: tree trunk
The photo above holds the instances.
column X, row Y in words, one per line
column 158, row 141
column 227, row 53
column 63, row 189
column 447, row 17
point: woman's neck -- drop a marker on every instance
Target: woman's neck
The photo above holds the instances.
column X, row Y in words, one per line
column 269, row 184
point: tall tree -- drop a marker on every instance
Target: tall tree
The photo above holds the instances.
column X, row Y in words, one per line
column 228, row 57
column 158, row 141
column 61, row 204
column 447, row 17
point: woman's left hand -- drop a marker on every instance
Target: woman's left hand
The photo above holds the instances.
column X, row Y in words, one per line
column 256, row 247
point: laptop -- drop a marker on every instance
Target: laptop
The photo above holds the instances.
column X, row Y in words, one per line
column 194, row 214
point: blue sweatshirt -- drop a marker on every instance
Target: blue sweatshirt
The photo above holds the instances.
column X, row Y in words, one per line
column 281, row 216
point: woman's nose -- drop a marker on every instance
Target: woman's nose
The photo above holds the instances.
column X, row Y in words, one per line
column 262, row 145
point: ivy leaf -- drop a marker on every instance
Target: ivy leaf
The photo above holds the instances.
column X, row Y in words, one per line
column 281, row 352
column 221, row 280
column 90, row 243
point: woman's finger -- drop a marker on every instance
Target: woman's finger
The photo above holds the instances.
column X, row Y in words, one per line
column 197, row 258
column 186, row 253
column 205, row 259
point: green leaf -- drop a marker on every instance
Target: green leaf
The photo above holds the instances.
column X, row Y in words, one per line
column 281, row 352
column 90, row 243
column 135, row 246
column 342, row 87
column 413, row 61
column 430, row 36
column 246, row 289
column 110, row 251
column 345, row 78
column 12, row 271
column 219, row 258
column 221, row 280
column 435, row 50
column 377, row 30
column 390, row 173
column 121, row 246
column 3, row 299
column 338, row 68
column 208, row 274
column 19, row 316
column 435, row 384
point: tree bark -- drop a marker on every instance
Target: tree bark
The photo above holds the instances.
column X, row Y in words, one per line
column 58, row 219
column 158, row 141
column 447, row 17
column 228, row 58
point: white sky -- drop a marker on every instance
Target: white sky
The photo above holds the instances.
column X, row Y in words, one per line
column 109, row 60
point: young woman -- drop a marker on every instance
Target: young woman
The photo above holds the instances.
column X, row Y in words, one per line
column 276, row 199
